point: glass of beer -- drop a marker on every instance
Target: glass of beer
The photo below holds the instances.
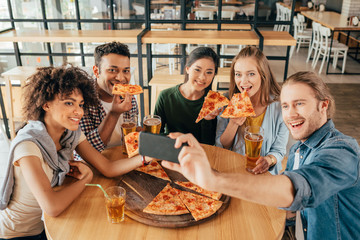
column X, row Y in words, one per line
column 128, row 126
column 152, row 124
column 115, row 204
column 254, row 136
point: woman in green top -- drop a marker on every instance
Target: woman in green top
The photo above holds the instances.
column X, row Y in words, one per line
column 179, row 106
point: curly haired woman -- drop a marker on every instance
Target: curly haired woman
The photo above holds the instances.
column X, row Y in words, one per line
column 40, row 155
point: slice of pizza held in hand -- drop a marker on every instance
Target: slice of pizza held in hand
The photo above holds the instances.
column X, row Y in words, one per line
column 132, row 144
column 239, row 106
column 121, row 89
column 212, row 102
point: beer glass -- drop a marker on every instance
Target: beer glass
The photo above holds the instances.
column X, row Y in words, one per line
column 128, row 126
column 152, row 124
column 254, row 136
column 115, row 204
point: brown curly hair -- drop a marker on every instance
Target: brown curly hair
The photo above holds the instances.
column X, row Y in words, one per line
column 48, row 82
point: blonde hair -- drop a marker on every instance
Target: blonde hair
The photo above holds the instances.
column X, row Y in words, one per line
column 268, row 87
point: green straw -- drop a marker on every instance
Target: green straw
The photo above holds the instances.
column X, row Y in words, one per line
column 98, row 185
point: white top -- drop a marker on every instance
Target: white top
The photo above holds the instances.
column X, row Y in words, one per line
column 116, row 136
column 22, row 217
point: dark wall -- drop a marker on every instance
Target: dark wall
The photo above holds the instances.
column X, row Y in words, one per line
column 334, row 5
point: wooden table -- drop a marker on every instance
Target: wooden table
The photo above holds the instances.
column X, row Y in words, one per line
column 232, row 2
column 332, row 20
column 335, row 21
column 86, row 217
column 298, row 7
column 273, row 38
column 198, row 26
column 215, row 8
column 65, row 36
column 201, row 37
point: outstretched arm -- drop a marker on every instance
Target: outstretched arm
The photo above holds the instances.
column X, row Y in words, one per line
column 53, row 202
column 105, row 166
column 194, row 165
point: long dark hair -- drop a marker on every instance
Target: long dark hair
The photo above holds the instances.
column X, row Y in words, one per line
column 200, row 53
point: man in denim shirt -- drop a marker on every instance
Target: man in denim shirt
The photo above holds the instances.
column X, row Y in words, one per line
column 322, row 175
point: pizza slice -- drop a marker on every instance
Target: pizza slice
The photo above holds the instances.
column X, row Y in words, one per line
column 199, row 206
column 121, row 89
column 192, row 186
column 167, row 202
column 154, row 169
column 132, row 144
column 212, row 102
column 239, row 106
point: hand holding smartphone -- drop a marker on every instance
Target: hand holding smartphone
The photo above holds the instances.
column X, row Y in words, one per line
column 158, row 146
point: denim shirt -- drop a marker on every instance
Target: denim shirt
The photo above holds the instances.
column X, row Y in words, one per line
column 326, row 185
column 275, row 137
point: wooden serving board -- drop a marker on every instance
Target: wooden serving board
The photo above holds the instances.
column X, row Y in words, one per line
column 142, row 188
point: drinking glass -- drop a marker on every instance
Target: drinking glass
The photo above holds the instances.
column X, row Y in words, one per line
column 254, row 136
column 152, row 124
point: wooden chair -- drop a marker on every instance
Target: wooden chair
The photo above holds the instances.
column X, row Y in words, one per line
column 300, row 36
column 203, row 14
column 229, row 50
column 337, row 50
column 228, row 15
column 165, row 48
column 315, row 43
column 278, row 13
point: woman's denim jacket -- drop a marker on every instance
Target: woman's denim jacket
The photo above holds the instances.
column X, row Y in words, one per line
column 275, row 139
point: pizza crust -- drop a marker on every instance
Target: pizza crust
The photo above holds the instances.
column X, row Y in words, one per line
column 132, row 144
column 167, row 202
column 212, row 102
column 196, row 188
column 199, row 206
column 154, row 169
column 121, row 89
column 240, row 106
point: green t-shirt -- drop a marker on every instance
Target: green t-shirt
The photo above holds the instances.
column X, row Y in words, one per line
column 178, row 114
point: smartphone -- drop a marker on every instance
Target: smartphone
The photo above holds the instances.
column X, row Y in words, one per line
column 158, row 146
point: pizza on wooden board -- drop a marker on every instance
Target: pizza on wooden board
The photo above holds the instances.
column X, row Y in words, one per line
column 212, row 102
column 121, row 89
column 239, row 106
column 154, row 169
column 196, row 188
column 167, row 202
column 132, row 144
column 199, row 206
